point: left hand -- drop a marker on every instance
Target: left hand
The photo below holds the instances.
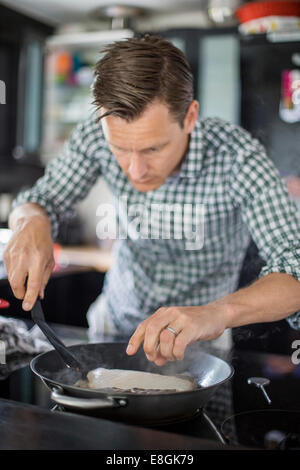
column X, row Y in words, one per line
column 191, row 324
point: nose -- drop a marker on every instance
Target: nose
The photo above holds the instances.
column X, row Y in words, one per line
column 137, row 168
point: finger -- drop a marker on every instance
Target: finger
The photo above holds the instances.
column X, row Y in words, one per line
column 33, row 288
column 17, row 282
column 155, row 326
column 44, row 283
column 45, row 279
column 136, row 339
column 183, row 339
column 167, row 338
column 160, row 360
column 166, row 344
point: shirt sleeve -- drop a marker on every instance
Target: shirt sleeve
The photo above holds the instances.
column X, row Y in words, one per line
column 68, row 178
column 271, row 216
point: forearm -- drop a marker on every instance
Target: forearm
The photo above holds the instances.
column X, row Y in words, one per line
column 271, row 298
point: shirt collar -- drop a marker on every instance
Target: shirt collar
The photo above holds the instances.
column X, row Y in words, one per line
column 193, row 160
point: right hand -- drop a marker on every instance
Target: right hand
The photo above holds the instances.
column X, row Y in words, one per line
column 29, row 257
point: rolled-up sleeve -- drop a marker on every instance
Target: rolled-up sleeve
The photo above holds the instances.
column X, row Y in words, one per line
column 271, row 216
column 69, row 177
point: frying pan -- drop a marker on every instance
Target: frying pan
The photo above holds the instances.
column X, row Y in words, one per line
column 143, row 408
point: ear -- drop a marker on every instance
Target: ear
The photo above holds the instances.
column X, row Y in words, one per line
column 191, row 117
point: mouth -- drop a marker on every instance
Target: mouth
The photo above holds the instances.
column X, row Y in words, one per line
column 142, row 181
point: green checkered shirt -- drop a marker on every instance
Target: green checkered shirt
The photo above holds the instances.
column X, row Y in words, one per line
column 225, row 173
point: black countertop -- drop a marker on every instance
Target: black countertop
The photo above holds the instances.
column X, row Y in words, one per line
column 30, row 427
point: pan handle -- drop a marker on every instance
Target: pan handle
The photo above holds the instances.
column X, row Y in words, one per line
column 57, row 395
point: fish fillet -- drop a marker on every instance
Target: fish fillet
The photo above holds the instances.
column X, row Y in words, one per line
column 132, row 379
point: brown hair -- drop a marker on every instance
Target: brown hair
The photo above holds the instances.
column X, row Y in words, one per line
column 136, row 71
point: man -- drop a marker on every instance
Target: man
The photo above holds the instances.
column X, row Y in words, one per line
column 149, row 144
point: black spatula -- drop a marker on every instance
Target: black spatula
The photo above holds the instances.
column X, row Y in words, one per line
column 67, row 356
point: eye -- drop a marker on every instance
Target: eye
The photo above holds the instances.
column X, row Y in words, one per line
column 118, row 150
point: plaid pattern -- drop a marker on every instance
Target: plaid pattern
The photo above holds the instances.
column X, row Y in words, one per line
column 226, row 172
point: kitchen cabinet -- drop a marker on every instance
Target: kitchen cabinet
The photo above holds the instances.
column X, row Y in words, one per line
column 21, row 69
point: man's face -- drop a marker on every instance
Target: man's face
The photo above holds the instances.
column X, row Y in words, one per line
column 151, row 147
